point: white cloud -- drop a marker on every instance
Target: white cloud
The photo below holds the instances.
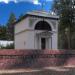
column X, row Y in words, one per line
column 49, row 0
column 7, row 1
column 16, row 1
column 36, row 2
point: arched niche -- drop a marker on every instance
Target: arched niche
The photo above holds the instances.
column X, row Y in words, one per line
column 43, row 25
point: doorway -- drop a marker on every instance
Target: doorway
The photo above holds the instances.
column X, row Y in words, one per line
column 43, row 43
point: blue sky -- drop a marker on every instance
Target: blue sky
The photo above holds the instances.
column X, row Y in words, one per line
column 19, row 7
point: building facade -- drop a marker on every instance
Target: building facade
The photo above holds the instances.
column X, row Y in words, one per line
column 37, row 30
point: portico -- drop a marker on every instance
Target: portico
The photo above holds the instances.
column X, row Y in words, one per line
column 43, row 35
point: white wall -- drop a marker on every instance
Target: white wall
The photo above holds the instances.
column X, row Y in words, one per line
column 22, row 25
column 20, row 41
column 25, row 40
column 30, row 40
column 5, row 43
column 54, row 41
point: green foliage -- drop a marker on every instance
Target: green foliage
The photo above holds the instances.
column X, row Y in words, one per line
column 7, row 31
column 65, row 10
column 11, row 19
column 3, row 35
column 21, row 16
column 10, row 27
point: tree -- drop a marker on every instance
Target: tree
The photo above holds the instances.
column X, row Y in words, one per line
column 3, row 33
column 21, row 16
column 10, row 27
column 65, row 10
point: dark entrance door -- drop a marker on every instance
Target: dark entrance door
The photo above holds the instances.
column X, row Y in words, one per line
column 43, row 43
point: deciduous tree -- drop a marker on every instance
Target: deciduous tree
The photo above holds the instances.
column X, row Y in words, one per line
column 65, row 10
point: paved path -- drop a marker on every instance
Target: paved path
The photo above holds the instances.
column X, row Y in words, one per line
column 66, row 70
column 43, row 71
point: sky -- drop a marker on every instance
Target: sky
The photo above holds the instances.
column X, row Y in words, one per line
column 19, row 7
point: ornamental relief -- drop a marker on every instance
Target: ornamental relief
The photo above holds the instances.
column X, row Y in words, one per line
column 53, row 23
column 32, row 20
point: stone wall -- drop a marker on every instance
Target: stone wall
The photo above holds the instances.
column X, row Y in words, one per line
column 12, row 59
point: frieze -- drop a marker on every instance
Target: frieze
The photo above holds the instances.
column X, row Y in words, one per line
column 32, row 20
column 45, row 34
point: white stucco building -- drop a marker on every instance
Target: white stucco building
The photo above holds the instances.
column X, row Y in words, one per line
column 37, row 30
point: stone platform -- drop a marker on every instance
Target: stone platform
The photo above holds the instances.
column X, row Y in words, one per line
column 17, row 59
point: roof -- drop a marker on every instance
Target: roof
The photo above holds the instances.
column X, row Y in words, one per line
column 39, row 14
column 42, row 14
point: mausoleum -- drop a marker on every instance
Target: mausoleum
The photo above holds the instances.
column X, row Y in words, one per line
column 37, row 30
